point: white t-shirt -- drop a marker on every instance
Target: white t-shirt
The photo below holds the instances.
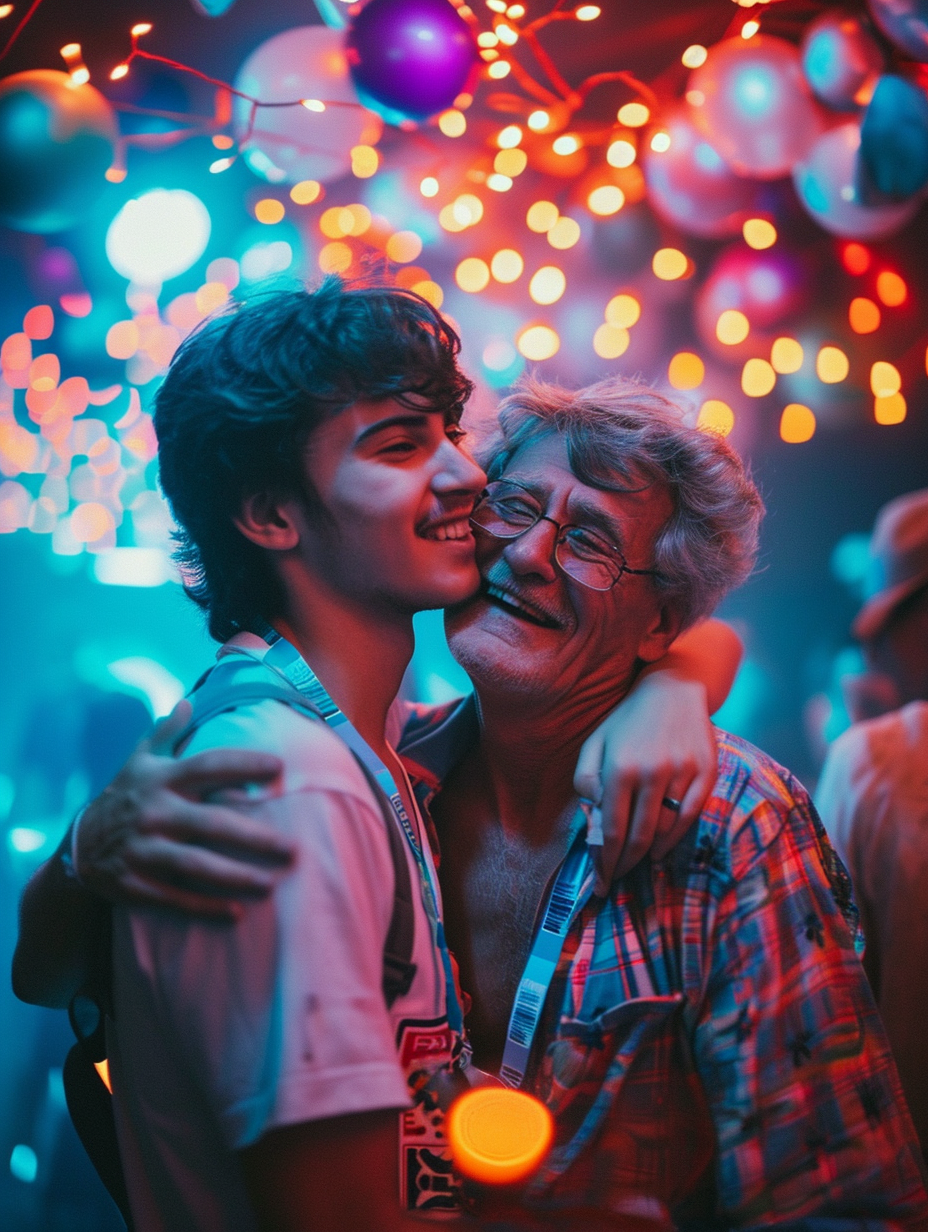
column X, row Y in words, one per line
column 225, row 1031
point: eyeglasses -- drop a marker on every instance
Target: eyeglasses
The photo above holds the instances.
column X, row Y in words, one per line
column 506, row 510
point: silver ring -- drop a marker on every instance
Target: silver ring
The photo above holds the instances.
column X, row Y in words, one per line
column 668, row 802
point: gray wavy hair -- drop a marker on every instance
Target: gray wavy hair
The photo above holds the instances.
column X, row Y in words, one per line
column 621, row 436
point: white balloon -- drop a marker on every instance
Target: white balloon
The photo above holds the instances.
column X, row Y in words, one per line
column 289, row 144
column 826, row 181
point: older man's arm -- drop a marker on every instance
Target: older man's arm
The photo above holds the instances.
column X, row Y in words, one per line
column 813, row 1133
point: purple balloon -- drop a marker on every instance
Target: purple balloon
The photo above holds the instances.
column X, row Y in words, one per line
column 410, row 58
column 905, row 22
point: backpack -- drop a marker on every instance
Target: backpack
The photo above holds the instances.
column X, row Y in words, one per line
column 233, row 682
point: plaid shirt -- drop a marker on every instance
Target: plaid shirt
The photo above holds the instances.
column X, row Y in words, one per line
column 710, row 1048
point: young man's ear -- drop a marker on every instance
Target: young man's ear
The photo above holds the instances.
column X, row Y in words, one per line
column 267, row 519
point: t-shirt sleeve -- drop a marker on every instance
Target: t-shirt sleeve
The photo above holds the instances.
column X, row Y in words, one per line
column 281, row 1017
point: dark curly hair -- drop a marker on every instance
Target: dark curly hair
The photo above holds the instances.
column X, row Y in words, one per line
column 244, row 393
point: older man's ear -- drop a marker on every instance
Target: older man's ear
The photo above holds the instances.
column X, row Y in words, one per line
column 664, row 627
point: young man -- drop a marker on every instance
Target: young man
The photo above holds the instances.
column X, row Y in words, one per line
column 309, row 450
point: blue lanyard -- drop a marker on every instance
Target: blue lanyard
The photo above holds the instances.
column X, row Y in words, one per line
column 569, row 894
column 286, row 659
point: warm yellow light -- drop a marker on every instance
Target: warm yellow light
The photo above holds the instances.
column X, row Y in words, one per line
column 364, row 161
column 891, row 289
column 448, row 221
column 686, row 370
column 884, row 379
column 606, row 200
column 757, row 378
column 467, row 209
column 429, row 186
column 116, row 175
column 91, row 521
column 516, row 11
column 5, row 10
column 732, row 327
column 611, row 341
column 547, row 285
column 210, row 296
column 312, row 104
column 634, row 115
column 509, row 137
column 122, row 340
column 119, row 71
column 430, row 291
column 669, row 264
column 831, row 365
column 499, row 69
column 498, row 6
column 759, row 233
column 332, row 222
column 403, row 247
column 538, row 121
column 889, row 410
column 623, row 311
column 487, row 39
column 499, row 183
column 453, row 123
column 335, row 258
column 306, row 192
column 44, row 373
column 695, row 55
column 498, row 1136
column 786, row 355
column 715, row 416
column 80, row 76
column 269, row 210
column 587, row 12
column 797, row 424
column 749, row 29
column 472, row 274
column 506, row 35
column 564, row 234
column 695, row 98
column 660, row 142
column 507, row 265
column 863, row 315
column 567, row 143
column 538, row 342
column 542, row 216
column 358, row 219
column 620, row 153
column 222, row 141
column 143, row 27
column 510, row 162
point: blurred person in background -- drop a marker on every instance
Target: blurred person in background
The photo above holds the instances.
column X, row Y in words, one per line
column 873, row 792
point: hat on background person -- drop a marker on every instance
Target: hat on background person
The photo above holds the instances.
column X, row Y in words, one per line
column 898, row 561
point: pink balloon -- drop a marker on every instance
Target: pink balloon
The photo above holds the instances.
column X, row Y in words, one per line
column 691, row 186
column 756, row 109
column 826, row 181
column 289, row 144
column 767, row 286
column 840, row 58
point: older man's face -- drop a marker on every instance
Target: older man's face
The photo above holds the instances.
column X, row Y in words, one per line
column 534, row 630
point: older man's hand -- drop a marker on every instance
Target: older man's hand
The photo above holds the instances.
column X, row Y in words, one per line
column 149, row 838
column 657, row 746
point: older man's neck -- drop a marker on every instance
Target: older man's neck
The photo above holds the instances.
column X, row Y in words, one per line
column 529, row 751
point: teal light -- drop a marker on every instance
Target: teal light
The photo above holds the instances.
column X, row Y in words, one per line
column 158, row 236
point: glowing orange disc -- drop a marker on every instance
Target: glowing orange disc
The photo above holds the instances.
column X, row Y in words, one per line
column 498, row 1136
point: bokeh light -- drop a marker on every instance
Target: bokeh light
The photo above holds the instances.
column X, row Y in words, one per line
column 889, row 410
column 158, row 235
column 335, row 258
column 715, row 416
column 695, row 55
column 891, row 289
column 403, row 246
column 306, row 192
column 669, row 264
column 863, row 315
column 759, row 233
column 269, row 210
column 732, row 327
column 538, row 342
column 634, row 115
column 620, row 153
column 623, row 311
column 542, row 216
column 605, row 200
column 797, row 424
column 885, row 379
column 757, row 378
column 472, row 274
column 453, row 123
column 686, row 370
column 547, row 285
column 507, row 265
column 786, row 355
column 564, row 234
column 510, row 162
column 429, row 186
column 611, row 341
column 856, row 258
column 364, row 161
column 509, row 137
column 831, row 365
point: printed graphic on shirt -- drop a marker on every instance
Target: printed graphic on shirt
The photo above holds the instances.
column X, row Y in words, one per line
column 428, row 1050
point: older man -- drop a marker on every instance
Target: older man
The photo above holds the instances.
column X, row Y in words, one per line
column 702, row 1031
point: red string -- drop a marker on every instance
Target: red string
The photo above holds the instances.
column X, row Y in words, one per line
column 19, row 29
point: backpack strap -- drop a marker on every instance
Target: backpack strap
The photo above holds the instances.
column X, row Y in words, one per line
column 240, row 680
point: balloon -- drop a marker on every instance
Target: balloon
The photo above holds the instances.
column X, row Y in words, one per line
column 905, row 23
column 827, row 184
column 893, row 142
column 757, row 109
column 840, row 58
column 767, row 286
column 289, row 144
column 410, row 58
column 212, row 8
column 691, row 186
column 56, row 142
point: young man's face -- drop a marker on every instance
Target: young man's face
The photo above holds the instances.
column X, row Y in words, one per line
column 536, row 632
column 398, row 490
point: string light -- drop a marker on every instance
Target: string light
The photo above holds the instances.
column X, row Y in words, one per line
column 749, row 29
column 453, row 123
column 312, row 104
column 797, row 424
column 73, row 58
column 568, row 143
column 695, row 55
column 634, row 115
column 506, row 35
column 606, row 200
column 499, row 183
column 587, row 12
column 499, row 69
column 509, row 137
column 364, row 161
column 335, row 258
column 403, row 247
column 538, row 121
column 620, row 153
